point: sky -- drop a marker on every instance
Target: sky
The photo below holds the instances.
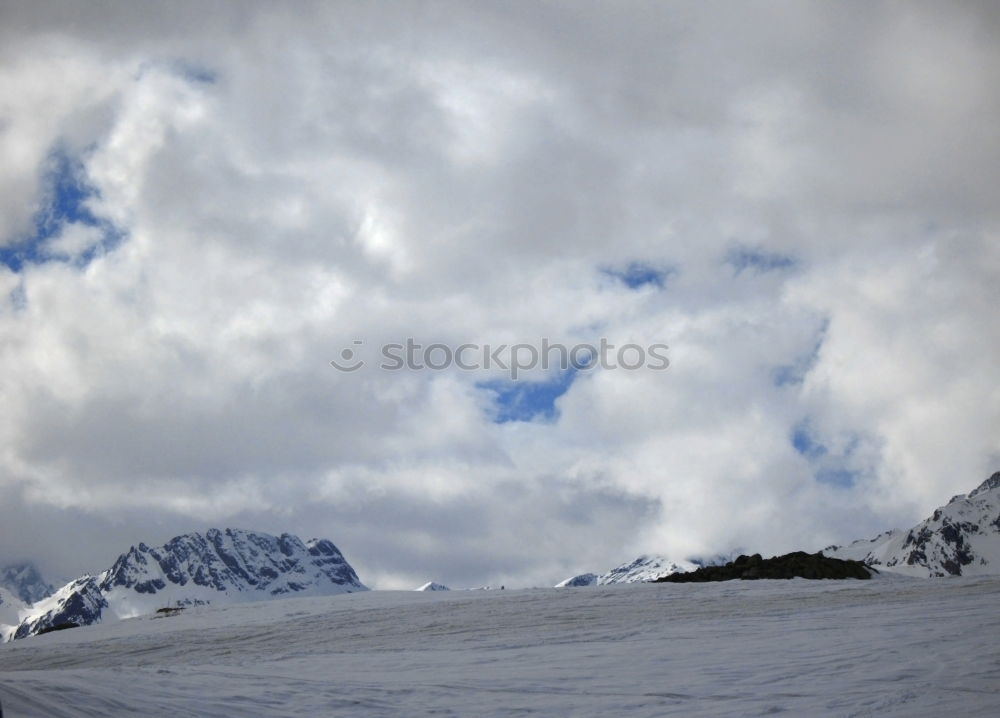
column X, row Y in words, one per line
column 202, row 205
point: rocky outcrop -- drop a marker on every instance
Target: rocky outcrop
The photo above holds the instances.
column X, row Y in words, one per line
column 791, row 565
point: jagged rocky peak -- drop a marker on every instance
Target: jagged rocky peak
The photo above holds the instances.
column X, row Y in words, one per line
column 433, row 586
column 24, row 581
column 233, row 560
column 961, row 538
column 219, row 566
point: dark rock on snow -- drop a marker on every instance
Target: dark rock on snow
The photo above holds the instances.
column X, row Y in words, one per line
column 792, row 565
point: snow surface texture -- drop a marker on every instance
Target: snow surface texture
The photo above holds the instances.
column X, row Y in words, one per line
column 961, row 538
column 893, row 646
column 644, row 568
column 213, row 568
column 24, row 581
column 432, row 586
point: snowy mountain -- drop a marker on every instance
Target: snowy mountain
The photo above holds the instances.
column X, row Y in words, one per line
column 432, row 586
column 644, row 568
column 24, row 581
column 79, row 602
column 961, row 538
column 216, row 567
column 584, row 579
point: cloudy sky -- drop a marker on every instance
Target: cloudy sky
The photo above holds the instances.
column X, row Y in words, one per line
column 201, row 206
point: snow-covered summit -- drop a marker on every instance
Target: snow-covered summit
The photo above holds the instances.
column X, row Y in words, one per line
column 644, row 568
column 219, row 566
column 24, row 581
column 432, row 586
column 584, row 579
column 961, row 538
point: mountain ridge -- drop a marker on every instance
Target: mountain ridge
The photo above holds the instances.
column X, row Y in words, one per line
column 218, row 567
column 961, row 538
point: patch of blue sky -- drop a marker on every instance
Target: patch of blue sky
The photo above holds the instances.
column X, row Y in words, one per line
column 805, row 443
column 832, row 468
column 525, row 400
column 636, row 275
column 65, row 195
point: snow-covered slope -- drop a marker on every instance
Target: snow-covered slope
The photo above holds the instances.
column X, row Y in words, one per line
column 961, row 538
column 871, row 551
column 432, row 586
column 216, row 567
column 644, row 568
column 892, row 647
column 24, row 581
column 584, row 579
column 79, row 602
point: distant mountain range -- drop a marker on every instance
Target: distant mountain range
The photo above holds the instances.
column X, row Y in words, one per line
column 961, row 538
column 24, row 581
column 217, row 567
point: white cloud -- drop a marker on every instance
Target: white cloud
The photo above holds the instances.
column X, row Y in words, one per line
column 287, row 182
